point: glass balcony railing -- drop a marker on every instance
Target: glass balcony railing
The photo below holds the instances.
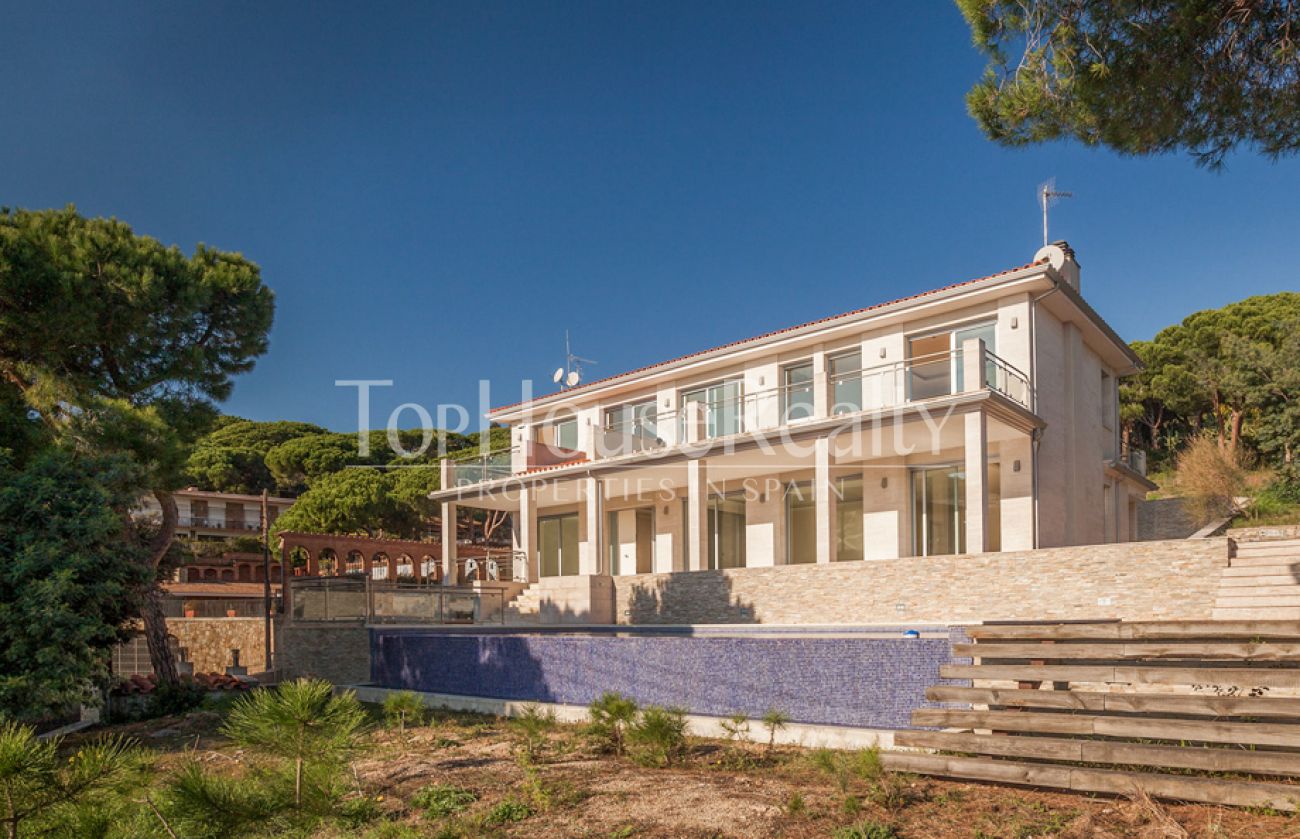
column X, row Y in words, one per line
column 887, row 386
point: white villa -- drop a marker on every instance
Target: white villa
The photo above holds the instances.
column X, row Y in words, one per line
column 981, row 416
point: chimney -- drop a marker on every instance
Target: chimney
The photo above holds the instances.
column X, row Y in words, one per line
column 1061, row 257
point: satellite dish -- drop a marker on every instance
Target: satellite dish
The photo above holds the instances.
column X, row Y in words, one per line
column 572, row 378
column 559, row 374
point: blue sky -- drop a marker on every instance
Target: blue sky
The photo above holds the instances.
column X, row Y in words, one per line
column 436, row 191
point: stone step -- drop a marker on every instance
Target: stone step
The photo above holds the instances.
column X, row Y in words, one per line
column 1240, row 561
column 1288, row 588
column 1272, row 579
column 1288, row 569
column 1269, row 543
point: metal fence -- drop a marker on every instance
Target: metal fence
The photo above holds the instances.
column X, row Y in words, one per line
column 242, row 607
column 343, row 600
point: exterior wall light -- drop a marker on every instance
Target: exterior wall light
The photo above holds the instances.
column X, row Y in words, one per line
column 1015, row 466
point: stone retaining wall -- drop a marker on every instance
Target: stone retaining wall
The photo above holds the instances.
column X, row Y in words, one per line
column 1169, row 580
column 1264, row 533
column 339, row 653
column 208, row 642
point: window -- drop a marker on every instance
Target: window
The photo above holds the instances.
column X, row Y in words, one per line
column 559, row 435
column 800, row 524
column 635, row 418
column 797, row 392
column 722, row 408
column 846, row 382
column 848, row 519
column 935, row 361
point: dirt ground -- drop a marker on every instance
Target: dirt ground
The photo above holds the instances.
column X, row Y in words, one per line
column 717, row 790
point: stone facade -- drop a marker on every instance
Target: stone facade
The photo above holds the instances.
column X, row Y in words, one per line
column 1135, row 581
column 340, row 654
column 208, row 642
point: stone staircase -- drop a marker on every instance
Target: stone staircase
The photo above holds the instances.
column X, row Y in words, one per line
column 1262, row 582
column 526, row 607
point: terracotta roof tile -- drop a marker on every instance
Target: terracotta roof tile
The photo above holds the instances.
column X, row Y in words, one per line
column 771, row 334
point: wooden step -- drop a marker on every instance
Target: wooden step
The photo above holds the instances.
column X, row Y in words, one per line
column 1176, row 787
column 1251, row 601
column 1101, row 751
column 1145, row 631
column 1275, row 613
column 1199, row 650
column 1246, row 677
column 1249, row 581
column 1148, row 728
column 1210, row 705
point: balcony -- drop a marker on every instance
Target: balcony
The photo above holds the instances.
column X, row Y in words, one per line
column 210, row 523
column 903, row 383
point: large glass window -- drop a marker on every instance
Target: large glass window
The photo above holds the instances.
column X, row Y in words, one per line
column 935, row 361
column 797, row 393
column 800, row 524
column 557, row 538
column 846, row 382
column 636, row 419
column 566, row 434
column 727, row 531
column 848, row 519
column 722, row 407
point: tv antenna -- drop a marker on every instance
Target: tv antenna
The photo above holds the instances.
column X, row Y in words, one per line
column 1049, row 195
column 571, row 373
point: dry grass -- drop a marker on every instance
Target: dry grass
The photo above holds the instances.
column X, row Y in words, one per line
column 717, row 790
column 1210, row 477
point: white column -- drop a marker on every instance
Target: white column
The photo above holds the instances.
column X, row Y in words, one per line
column 591, row 559
column 449, row 542
column 823, row 500
column 525, row 532
column 977, row 490
column 697, row 511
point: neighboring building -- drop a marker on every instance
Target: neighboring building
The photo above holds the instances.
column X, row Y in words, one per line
column 982, row 416
column 217, row 516
column 223, row 532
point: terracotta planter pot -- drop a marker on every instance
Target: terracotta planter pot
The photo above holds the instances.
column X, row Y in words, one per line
column 189, row 613
column 230, row 613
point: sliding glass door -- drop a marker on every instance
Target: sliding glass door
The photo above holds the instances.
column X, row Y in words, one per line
column 727, row 531
column 557, row 538
column 722, row 407
column 938, row 510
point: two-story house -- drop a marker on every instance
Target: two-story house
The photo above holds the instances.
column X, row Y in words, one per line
column 980, row 416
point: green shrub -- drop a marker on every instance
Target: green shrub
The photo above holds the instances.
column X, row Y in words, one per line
column 611, row 716
column 775, row 720
column 202, row 804
column 508, row 811
column 736, row 727
column 838, row 765
column 531, row 727
column 34, row 780
column 303, row 723
column 660, row 733
column 404, row 708
column 867, row 830
column 168, row 699
column 1286, row 483
column 442, row 800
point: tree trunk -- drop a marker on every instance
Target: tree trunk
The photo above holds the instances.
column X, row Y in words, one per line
column 1238, row 417
column 155, row 636
column 155, row 623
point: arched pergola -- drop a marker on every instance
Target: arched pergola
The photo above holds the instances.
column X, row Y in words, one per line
column 351, row 554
